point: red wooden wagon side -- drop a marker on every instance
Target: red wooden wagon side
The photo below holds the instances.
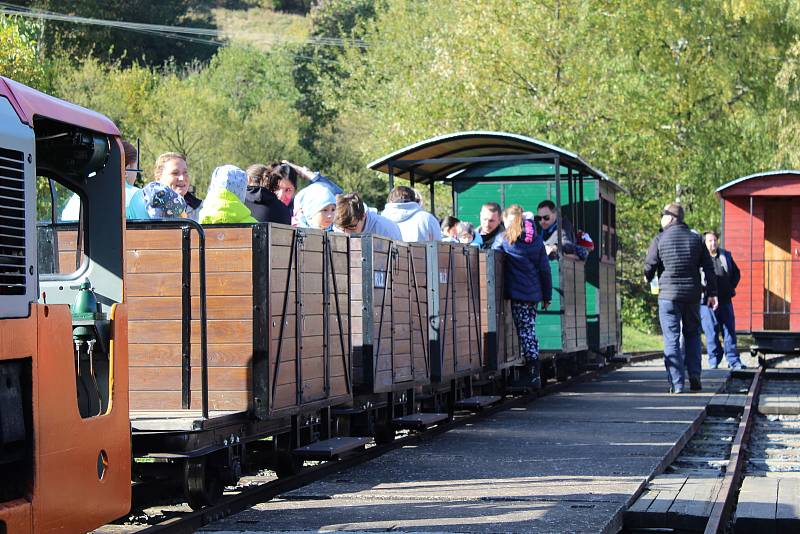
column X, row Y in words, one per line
column 761, row 228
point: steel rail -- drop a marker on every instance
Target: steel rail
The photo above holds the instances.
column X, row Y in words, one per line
column 251, row 496
column 726, row 498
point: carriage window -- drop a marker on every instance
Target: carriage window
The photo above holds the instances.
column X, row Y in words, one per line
column 609, row 230
column 58, row 210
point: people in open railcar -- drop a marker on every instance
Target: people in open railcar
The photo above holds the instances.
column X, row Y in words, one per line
column 172, row 169
column 224, row 201
column 528, row 281
column 314, row 179
column 727, row 278
column 353, row 217
column 491, row 224
column 315, row 208
column 676, row 256
column 415, row 223
column 548, row 220
column 449, row 228
column 134, row 209
column 261, row 197
column 287, row 183
column 161, row 202
column 467, row 234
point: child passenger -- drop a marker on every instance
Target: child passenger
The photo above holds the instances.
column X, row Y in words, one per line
column 316, row 207
column 353, row 217
column 528, row 281
column 467, row 234
column 449, row 229
column 224, row 202
column 161, row 202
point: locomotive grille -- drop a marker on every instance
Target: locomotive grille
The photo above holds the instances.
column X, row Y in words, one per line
column 12, row 222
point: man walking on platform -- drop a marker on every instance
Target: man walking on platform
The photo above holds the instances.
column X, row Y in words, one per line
column 727, row 278
column 676, row 256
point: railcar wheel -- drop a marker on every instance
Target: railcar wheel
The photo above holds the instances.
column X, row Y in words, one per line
column 384, row 434
column 287, row 464
column 202, row 484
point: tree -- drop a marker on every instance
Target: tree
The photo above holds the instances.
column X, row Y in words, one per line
column 125, row 45
column 19, row 53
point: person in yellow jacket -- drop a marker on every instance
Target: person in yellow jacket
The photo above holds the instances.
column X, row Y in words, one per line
column 224, row 202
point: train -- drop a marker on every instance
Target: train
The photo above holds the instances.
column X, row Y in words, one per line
column 166, row 352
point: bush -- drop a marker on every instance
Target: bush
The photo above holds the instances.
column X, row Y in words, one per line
column 300, row 7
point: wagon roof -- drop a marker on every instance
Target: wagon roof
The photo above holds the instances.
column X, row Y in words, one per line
column 28, row 103
column 723, row 188
column 444, row 158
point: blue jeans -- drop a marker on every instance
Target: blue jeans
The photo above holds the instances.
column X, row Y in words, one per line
column 713, row 321
column 676, row 317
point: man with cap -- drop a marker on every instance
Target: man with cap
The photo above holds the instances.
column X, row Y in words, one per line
column 676, row 256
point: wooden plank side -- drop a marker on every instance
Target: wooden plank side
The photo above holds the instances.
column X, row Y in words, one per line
column 787, row 510
column 756, row 508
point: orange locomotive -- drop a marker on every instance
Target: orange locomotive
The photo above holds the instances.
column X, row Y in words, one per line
column 64, row 428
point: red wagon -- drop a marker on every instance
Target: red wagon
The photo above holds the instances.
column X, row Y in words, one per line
column 761, row 228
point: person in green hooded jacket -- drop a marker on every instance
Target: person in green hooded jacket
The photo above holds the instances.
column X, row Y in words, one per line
column 224, row 202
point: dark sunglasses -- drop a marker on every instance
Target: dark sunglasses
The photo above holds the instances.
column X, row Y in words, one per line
column 538, row 218
column 665, row 212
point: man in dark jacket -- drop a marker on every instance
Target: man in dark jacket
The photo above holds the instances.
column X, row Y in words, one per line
column 547, row 217
column 727, row 277
column 676, row 256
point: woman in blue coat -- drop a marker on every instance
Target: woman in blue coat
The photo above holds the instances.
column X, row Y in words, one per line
column 528, row 281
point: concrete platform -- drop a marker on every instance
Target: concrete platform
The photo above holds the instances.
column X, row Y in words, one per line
column 569, row 462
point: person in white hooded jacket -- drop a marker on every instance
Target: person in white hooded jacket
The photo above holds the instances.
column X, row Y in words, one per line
column 415, row 223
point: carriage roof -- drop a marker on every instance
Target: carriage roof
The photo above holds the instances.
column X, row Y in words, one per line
column 29, row 103
column 770, row 183
column 451, row 157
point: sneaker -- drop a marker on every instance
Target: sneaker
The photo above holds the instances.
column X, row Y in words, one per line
column 738, row 366
column 695, row 384
column 676, row 390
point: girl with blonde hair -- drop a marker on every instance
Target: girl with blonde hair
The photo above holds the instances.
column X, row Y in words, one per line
column 528, row 281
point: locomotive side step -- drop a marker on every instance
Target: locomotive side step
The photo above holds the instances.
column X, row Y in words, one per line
column 330, row 449
column 478, row 402
column 419, row 421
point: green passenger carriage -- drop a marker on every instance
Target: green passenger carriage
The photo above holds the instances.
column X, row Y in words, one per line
column 513, row 169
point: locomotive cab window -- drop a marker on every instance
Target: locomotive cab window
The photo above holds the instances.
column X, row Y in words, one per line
column 61, row 241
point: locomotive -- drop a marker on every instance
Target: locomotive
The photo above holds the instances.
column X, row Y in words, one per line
column 170, row 352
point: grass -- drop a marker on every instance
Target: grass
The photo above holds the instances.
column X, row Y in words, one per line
column 637, row 341
column 261, row 27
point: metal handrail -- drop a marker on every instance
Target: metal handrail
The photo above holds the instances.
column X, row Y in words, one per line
column 189, row 224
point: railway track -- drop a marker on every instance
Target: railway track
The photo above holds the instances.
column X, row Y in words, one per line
column 739, row 472
column 241, row 498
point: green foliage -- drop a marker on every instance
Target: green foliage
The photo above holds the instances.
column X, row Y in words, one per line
column 238, row 110
column 657, row 93
column 116, row 44
column 19, row 55
column 292, row 6
column 635, row 340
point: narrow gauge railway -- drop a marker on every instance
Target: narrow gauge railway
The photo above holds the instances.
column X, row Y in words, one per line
column 738, row 471
column 167, row 351
column 259, row 489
